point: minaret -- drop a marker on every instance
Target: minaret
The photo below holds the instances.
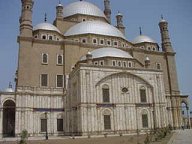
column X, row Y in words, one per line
column 59, row 11
column 107, row 10
column 170, row 74
column 120, row 25
column 26, row 27
column 166, row 43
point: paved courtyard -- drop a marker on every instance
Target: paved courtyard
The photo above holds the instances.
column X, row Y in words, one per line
column 182, row 137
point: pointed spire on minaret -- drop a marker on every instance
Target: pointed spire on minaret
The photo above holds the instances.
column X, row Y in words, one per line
column 140, row 31
column 45, row 17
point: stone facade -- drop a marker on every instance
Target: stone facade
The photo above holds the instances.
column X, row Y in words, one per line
column 59, row 80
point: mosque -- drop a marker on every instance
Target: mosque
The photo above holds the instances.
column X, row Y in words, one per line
column 81, row 76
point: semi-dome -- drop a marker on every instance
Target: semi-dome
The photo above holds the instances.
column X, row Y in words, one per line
column 143, row 38
column 82, row 7
column 46, row 26
column 108, row 52
column 94, row 27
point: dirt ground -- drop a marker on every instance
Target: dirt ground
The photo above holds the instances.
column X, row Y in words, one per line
column 99, row 140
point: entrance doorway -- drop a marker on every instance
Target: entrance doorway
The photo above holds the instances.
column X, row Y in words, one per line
column 9, row 118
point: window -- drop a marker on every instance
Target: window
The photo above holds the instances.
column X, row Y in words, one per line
column 96, row 63
column 84, row 41
column 124, row 64
column 44, row 80
column 59, row 59
column 115, row 43
column 45, row 58
column 94, row 41
column 107, row 122
column 109, row 42
column 44, row 37
column 83, row 19
column 144, row 121
column 129, row 64
column 50, row 37
column 105, row 91
column 149, row 48
column 154, row 49
column 43, row 125
column 59, row 124
column 158, row 65
column 102, row 42
column 114, row 63
column 143, row 95
column 119, row 63
column 101, row 63
column 59, row 81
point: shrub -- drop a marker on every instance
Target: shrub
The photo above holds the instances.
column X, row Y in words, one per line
column 24, row 136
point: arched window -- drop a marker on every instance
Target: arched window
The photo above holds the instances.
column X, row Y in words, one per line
column 45, row 58
column 59, row 59
column 94, row 41
column 105, row 90
column 143, row 94
column 44, row 37
column 144, row 117
column 50, row 37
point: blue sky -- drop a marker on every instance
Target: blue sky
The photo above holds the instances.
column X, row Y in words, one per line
column 144, row 13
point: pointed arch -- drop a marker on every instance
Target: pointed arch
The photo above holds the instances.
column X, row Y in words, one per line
column 122, row 73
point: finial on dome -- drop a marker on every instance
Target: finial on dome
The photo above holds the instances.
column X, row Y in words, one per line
column 140, row 31
column 162, row 17
column 45, row 17
column 10, row 85
column 119, row 13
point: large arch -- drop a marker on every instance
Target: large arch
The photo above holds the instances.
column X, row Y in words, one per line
column 125, row 73
column 9, row 118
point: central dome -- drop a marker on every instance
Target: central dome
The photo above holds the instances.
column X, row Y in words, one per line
column 82, row 7
column 94, row 27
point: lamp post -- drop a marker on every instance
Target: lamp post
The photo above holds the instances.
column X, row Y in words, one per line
column 46, row 136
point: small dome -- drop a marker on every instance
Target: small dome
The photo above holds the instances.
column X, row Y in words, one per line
column 9, row 90
column 59, row 5
column 143, row 38
column 46, row 26
column 119, row 14
column 94, row 27
column 82, row 7
column 108, row 52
